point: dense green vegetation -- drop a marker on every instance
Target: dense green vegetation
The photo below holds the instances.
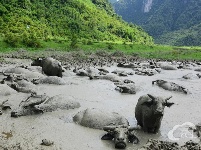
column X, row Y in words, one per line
column 168, row 21
column 101, row 48
column 31, row 23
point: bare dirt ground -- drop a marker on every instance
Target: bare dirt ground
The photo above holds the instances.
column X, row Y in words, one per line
column 27, row 132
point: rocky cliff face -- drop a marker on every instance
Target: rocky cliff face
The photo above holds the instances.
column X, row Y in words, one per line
column 160, row 17
column 147, row 4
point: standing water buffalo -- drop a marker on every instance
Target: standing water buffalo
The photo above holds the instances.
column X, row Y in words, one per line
column 149, row 112
column 121, row 135
column 50, row 66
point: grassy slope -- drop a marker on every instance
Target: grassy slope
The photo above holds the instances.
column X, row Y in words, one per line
column 142, row 51
column 82, row 18
column 145, row 51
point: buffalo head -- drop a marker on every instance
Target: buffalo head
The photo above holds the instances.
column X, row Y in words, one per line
column 37, row 62
column 157, row 104
column 28, row 107
column 121, row 135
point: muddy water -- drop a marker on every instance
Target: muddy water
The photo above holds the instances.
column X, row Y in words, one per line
column 58, row 126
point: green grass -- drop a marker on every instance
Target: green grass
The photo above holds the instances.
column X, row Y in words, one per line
column 143, row 51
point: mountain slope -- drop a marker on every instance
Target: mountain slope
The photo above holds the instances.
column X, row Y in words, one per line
column 159, row 17
column 25, row 21
column 183, row 37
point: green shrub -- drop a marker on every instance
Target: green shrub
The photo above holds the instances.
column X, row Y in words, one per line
column 12, row 39
column 74, row 42
column 110, row 46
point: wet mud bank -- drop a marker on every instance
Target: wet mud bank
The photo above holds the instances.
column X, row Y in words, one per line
column 102, row 93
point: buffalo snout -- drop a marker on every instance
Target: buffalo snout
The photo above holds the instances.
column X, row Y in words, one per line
column 120, row 145
column 120, row 137
column 14, row 114
column 159, row 111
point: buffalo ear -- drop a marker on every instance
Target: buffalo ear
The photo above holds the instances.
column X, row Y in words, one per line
column 151, row 96
column 168, row 104
column 107, row 136
column 133, row 139
column 168, row 98
column 40, row 59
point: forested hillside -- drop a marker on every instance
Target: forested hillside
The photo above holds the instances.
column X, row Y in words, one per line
column 162, row 18
column 27, row 22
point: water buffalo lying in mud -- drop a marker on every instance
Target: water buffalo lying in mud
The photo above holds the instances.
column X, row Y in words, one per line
column 19, row 83
column 191, row 76
column 27, row 107
column 168, row 67
column 97, row 119
column 90, row 71
column 59, row 102
column 146, row 72
column 5, row 90
column 129, row 88
column 50, row 66
column 124, row 65
column 81, row 72
column 170, row 86
column 50, row 80
column 109, row 77
column 36, row 104
column 25, row 73
column 121, row 135
column 122, row 73
column 149, row 112
column 4, row 106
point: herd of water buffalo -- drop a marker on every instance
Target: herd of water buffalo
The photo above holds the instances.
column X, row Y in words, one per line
column 149, row 110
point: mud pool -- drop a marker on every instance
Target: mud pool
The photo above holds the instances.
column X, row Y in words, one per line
column 58, row 126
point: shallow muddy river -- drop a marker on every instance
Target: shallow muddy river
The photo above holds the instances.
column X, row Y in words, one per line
column 58, row 126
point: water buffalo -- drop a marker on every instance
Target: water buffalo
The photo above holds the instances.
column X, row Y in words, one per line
column 27, row 107
column 121, row 135
column 50, row 66
column 90, row 71
column 5, row 90
column 50, row 80
column 25, row 73
column 97, row 119
column 59, row 102
column 170, row 86
column 109, row 77
column 149, row 112
column 126, row 65
column 191, row 76
column 36, row 104
column 19, row 83
column 126, row 88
